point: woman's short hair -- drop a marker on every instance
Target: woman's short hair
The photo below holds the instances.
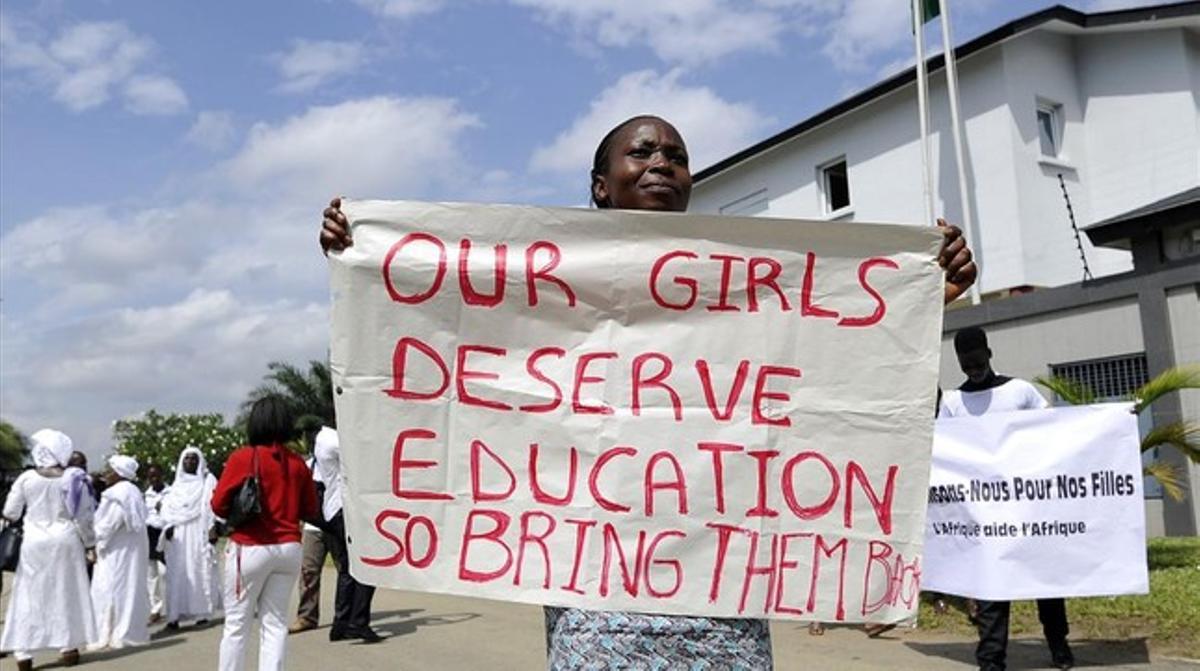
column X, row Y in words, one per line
column 272, row 422
column 604, row 149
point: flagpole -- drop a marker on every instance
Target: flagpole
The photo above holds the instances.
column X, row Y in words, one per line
column 964, row 194
column 923, row 108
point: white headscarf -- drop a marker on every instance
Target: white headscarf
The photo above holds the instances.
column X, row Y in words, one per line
column 130, row 499
column 188, row 496
column 124, row 466
column 51, row 448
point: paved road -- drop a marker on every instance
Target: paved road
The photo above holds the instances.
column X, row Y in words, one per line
column 437, row 632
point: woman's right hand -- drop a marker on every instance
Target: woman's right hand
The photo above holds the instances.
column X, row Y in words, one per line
column 335, row 230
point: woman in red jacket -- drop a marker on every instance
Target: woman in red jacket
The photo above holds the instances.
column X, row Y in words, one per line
column 262, row 558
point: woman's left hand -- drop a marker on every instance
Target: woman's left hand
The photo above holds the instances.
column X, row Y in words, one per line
column 955, row 258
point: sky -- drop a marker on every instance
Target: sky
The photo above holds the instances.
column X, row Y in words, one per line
column 163, row 165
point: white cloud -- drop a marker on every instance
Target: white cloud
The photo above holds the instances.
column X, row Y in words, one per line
column 201, row 353
column 308, row 64
column 212, row 130
column 853, row 33
column 372, row 146
column 400, row 9
column 89, row 63
column 711, row 126
column 154, row 95
column 678, row 31
column 863, row 28
column 113, row 309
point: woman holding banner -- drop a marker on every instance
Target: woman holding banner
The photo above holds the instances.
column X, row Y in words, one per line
column 642, row 164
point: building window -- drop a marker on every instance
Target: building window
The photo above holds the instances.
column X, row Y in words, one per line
column 1115, row 379
column 747, row 206
column 1111, row 378
column 835, row 186
column 1049, row 126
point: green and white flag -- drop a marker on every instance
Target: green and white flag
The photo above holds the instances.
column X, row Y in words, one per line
column 930, row 9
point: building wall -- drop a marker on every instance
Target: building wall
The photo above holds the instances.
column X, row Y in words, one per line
column 1026, row 348
column 1141, row 117
column 1131, row 135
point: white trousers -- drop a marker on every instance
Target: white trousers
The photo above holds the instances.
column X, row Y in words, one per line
column 258, row 578
column 156, row 573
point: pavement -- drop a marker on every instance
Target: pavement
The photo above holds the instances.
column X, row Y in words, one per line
column 426, row 631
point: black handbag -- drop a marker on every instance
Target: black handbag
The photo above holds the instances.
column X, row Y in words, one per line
column 247, row 500
column 10, row 546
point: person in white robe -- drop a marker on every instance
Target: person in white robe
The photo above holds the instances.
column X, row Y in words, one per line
column 156, row 569
column 120, row 598
column 193, row 591
column 50, row 606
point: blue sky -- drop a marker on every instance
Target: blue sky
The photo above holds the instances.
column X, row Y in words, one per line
column 163, row 164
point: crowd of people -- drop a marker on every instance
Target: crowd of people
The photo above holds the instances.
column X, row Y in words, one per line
column 101, row 563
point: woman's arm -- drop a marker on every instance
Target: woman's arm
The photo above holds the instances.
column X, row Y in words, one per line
column 956, row 258
column 335, row 229
column 14, row 505
column 235, row 472
column 109, row 520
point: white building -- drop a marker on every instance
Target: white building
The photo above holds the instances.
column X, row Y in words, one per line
column 1104, row 106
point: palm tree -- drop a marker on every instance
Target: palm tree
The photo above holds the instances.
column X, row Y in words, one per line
column 1183, row 436
column 309, row 393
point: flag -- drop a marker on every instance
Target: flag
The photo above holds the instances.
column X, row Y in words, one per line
column 930, row 9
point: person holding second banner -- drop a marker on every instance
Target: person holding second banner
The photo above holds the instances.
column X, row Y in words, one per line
column 986, row 392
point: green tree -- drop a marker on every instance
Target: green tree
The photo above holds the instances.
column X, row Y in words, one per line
column 14, row 449
column 157, row 439
column 1183, row 436
column 310, row 393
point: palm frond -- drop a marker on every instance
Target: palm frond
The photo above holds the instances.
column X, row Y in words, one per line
column 1070, row 391
column 1169, row 476
column 1183, row 436
column 308, row 392
column 1186, row 376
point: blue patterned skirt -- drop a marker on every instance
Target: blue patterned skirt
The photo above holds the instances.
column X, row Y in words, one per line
column 604, row 640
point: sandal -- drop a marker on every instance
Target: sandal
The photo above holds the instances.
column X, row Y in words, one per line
column 816, row 629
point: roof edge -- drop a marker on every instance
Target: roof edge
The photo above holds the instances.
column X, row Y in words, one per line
column 995, row 36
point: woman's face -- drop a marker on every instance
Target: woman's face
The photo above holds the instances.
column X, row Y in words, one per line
column 647, row 169
column 190, row 463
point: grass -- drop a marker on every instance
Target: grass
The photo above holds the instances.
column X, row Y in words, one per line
column 1168, row 617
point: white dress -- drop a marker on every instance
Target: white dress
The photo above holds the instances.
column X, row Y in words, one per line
column 50, row 606
column 193, row 580
column 120, row 597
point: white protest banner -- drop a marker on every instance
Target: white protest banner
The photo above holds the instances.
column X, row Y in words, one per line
column 1037, row 504
column 636, row 410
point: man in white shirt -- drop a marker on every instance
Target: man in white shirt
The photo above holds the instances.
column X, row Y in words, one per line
column 352, row 601
column 156, row 569
column 985, row 392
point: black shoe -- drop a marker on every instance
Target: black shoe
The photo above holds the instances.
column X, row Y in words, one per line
column 364, row 634
column 172, row 626
column 1061, row 656
column 337, row 634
